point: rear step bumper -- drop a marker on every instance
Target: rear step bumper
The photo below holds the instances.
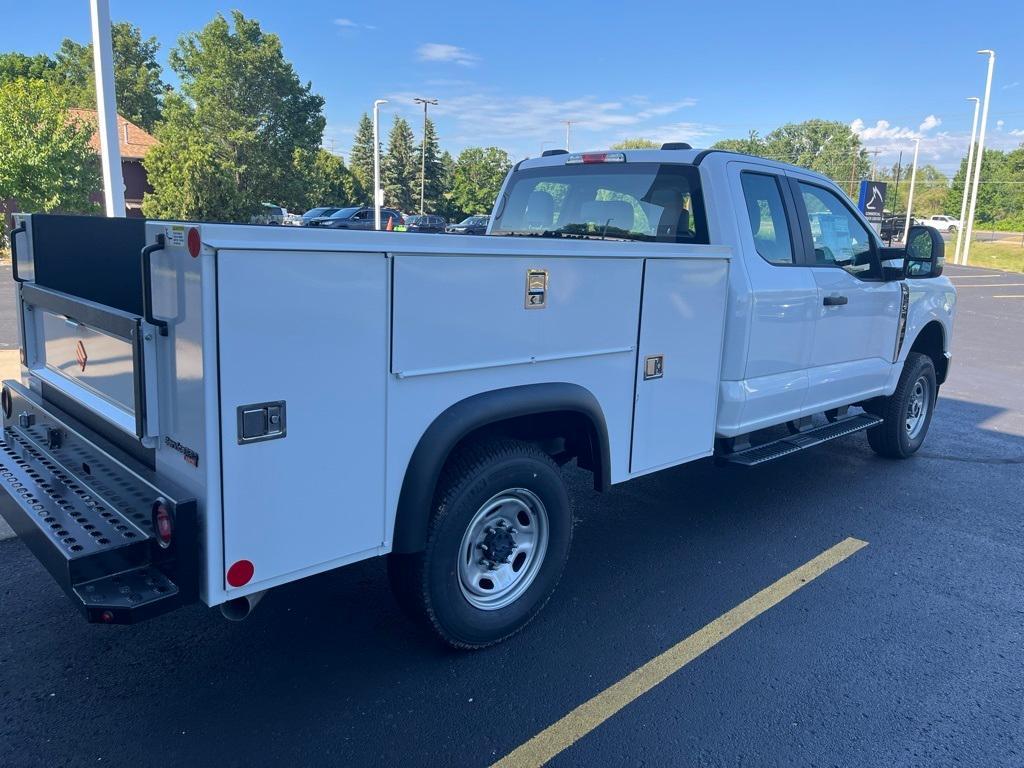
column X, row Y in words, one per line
column 776, row 449
column 84, row 509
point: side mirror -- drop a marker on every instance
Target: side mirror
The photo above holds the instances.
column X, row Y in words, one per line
column 926, row 252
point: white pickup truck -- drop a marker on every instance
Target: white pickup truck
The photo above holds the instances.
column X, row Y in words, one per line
column 208, row 411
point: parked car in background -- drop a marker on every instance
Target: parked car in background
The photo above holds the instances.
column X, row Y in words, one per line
column 473, row 225
column 425, row 223
column 358, row 218
column 275, row 215
column 316, row 213
column 941, row 222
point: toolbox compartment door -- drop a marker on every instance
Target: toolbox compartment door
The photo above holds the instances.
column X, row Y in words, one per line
column 682, row 323
column 303, row 336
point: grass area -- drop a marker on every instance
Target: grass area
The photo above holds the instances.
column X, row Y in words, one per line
column 1008, row 256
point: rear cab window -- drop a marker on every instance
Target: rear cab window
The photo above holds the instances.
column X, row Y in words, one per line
column 647, row 202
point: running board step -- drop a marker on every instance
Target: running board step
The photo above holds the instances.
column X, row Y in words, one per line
column 761, row 454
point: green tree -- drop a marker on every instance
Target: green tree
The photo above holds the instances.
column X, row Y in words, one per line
column 637, row 143
column 327, row 181
column 46, row 162
column 16, row 65
column 400, row 168
column 360, row 158
column 228, row 141
column 1000, row 193
column 829, row 147
column 477, row 178
column 445, row 206
column 434, row 175
column 137, row 84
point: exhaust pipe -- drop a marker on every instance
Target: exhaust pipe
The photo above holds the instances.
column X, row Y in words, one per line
column 240, row 607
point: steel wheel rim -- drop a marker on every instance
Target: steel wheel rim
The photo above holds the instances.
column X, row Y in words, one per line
column 503, row 549
column 917, row 408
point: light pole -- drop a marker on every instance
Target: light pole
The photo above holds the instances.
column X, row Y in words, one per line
column 106, row 108
column 377, row 194
column 423, row 147
column 910, row 197
column 568, row 125
column 980, row 155
column 967, row 180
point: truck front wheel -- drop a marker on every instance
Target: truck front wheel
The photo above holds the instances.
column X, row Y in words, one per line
column 497, row 543
column 908, row 412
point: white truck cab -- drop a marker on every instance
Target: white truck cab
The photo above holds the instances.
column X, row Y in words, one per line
column 208, row 411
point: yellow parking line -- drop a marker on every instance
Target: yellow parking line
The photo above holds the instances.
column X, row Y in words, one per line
column 590, row 714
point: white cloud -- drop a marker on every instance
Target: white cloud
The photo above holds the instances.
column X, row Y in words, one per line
column 1018, row 132
column 929, row 122
column 349, row 24
column 523, row 123
column 446, row 52
column 1000, row 124
column 1011, row 85
column 883, row 130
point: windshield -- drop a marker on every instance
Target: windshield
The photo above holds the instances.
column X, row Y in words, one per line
column 473, row 221
column 314, row 212
column 606, row 201
column 416, row 220
column 344, row 213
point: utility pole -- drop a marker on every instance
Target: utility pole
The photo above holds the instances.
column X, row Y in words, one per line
column 967, row 180
column 377, row 193
column 568, row 125
column 874, row 160
column 106, row 108
column 910, row 196
column 423, row 148
column 981, row 154
column 896, row 196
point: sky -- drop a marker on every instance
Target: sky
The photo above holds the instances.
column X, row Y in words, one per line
column 510, row 75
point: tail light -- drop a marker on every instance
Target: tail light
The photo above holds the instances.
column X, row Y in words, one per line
column 163, row 524
column 595, row 157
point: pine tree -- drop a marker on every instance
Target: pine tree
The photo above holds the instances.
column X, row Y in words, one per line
column 434, row 187
column 360, row 159
column 400, row 169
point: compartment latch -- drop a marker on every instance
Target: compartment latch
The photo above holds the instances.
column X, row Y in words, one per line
column 261, row 421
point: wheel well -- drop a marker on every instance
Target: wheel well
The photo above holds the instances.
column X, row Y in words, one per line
column 931, row 341
column 565, row 420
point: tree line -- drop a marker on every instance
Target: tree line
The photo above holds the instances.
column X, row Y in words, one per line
column 240, row 129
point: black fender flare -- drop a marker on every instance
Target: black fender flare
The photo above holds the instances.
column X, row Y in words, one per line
column 471, row 414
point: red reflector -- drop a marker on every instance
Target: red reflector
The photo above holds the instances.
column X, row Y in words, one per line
column 163, row 524
column 194, row 243
column 106, row 617
column 240, row 573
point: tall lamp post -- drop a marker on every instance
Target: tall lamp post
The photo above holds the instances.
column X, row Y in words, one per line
column 910, row 197
column 967, row 180
column 423, row 152
column 980, row 155
column 568, row 125
column 377, row 193
column 106, row 108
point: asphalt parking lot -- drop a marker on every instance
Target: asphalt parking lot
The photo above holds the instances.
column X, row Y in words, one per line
column 907, row 652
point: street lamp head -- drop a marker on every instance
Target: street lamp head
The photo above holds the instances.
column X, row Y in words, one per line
column 972, row 98
column 987, row 52
column 378, row 102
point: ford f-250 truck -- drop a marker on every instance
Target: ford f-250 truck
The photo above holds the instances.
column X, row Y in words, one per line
column 208, row 411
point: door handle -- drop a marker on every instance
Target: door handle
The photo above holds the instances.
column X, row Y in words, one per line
column 835, row 301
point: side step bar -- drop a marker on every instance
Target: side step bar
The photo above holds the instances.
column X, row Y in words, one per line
column 776, row 449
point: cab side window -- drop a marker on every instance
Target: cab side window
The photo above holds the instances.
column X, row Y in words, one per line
column 767, row 216
column 839, row 237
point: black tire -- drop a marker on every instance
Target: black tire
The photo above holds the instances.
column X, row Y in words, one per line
column 952, row 230
column 428, row 583
column 893, row 439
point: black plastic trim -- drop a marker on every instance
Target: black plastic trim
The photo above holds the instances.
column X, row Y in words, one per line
column 13, row 237
column 147, row 284
column 676, row 145
column 471, row 414
column 553, row 152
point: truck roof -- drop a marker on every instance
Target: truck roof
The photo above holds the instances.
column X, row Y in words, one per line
column 679, row 156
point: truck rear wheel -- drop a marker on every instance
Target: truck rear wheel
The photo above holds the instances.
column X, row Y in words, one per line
column 908, row 412
column 497, row 543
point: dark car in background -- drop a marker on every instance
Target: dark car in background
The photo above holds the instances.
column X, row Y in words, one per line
column 358, row 218
column 892, row 227
column 472, row 225
column 425, row 223
column 318, row 213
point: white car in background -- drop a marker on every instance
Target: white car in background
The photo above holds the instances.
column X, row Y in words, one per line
column 941, row 222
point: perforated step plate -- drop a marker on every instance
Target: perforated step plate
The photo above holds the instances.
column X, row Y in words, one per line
column 761, row 454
